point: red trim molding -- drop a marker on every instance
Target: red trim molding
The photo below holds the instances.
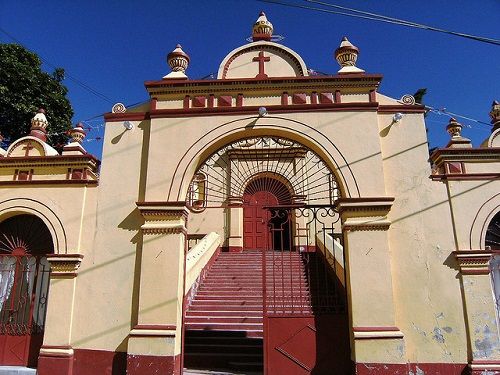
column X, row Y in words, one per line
column 92, row 362
column 339, row 78
column 409, row 368
column 151, row 365
column 127, row 116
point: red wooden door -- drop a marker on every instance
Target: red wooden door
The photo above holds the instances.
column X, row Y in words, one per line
column 255, row 219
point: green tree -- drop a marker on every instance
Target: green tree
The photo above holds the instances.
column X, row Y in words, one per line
column 24, row 88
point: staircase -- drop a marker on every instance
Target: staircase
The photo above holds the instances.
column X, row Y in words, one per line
column 224, row 323
column 224, row 320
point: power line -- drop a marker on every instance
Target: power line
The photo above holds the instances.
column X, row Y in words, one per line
column 356, row 13
column 72, row 78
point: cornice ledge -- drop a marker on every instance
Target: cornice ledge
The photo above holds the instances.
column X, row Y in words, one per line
column 366, row 207
column 474, row 262
column 360, row 225
column 65, row 265
column 158, row 211
column 457, row 154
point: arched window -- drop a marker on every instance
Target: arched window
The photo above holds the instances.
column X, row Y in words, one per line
column 492, row 240
column 197, row 193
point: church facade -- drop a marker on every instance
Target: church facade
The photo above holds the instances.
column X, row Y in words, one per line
column 295, row 217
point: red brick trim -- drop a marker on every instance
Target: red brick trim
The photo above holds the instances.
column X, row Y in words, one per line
column 151, row 365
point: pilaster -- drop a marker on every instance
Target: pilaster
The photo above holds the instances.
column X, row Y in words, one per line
column 56, row 354
column 155, row 342
column 235, row 240
column 481, row 315
column 375, row 336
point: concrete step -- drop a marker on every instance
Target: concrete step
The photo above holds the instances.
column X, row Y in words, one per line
column 16, row 370
column 216, row 319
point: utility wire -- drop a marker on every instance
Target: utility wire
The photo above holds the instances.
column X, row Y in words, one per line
column 378, row 17
column 72, row 78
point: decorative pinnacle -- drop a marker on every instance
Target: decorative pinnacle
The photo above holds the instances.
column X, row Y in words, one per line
column 495, row 115
column 39, row 125
column 454, row 128
column 262, row 29
column 77, row 133
column 178, row 59
column 347, row 55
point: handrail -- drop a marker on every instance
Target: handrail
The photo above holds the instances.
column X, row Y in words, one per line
column 199, row 256
column 333, row 252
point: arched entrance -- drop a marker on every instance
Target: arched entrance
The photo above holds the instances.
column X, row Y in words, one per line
column 260, row 193
column 24, row 282
column 282, row 280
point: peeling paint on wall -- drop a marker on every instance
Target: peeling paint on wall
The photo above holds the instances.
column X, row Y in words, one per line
column 438, row 335
column 487, row 344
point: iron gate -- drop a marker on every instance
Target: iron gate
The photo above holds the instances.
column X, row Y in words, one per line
column 24, row 283
column 305, row 304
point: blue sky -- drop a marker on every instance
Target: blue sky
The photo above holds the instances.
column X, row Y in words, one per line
column 115, row 46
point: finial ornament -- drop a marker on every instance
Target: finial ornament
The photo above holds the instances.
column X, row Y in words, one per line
column 347, row 55
column 77, row 133
column 495, row 115
column 178, row 60
column 262, row 29
column 39, row 125
column 454, row 128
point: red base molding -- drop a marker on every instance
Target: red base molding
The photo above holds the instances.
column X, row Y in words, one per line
column 152, row 365
column 55, row 365
column 411, row 368
column 91, row 362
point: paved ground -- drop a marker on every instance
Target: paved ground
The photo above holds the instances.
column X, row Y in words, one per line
column 16, row 370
